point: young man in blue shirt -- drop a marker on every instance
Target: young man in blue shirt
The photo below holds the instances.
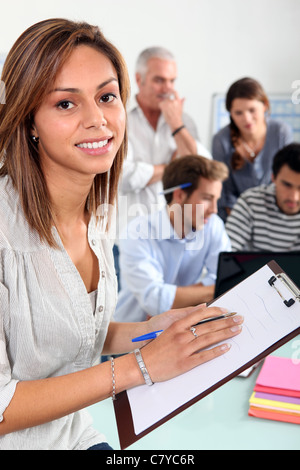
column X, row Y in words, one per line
column 168, row 259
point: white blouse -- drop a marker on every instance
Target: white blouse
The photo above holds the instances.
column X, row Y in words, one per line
column 48, row 326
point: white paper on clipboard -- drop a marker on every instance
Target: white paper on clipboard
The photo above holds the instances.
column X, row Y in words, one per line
column 266, row 320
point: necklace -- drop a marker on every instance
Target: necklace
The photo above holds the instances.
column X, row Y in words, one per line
column 249, row 149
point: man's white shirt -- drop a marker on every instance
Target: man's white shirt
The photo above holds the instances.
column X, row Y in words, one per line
column 147, row 147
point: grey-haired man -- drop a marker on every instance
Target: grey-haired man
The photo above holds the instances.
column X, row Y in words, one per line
column 158, row 130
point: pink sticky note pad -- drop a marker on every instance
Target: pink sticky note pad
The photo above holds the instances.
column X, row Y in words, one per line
column 280, row 373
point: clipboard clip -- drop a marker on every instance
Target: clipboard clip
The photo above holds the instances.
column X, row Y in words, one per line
column 289, row 284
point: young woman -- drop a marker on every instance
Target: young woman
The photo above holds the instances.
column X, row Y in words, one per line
column 62, row 143
column 248, row 144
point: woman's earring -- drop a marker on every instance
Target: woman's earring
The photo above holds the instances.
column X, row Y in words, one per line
column 35, row 139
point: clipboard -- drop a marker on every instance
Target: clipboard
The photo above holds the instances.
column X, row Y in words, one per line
column 280, row 290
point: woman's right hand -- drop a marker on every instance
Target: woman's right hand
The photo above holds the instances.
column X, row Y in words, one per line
column 177, row 349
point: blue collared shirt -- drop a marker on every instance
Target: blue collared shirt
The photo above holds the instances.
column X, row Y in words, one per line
column 154, row 261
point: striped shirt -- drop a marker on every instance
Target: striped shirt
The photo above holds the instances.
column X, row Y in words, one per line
column 256, row 223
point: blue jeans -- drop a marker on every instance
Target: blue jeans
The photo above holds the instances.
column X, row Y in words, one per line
column 116, row 261
column 102, row 446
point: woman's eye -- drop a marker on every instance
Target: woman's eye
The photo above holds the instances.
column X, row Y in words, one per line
column 65, row 105
column 108, row 98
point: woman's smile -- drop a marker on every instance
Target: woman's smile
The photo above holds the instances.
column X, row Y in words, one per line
column 95, row 146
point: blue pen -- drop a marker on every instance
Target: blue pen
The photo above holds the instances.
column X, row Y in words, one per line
column 180, row 186
column 151, row 335
column 154, row 334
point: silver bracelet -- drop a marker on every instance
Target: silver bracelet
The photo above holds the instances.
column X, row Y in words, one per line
column 112, row 362
column 142, row 366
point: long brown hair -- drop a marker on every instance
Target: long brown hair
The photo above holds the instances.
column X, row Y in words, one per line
column 249, row 89
column 29, row 71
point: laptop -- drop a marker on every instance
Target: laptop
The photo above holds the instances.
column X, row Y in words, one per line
column 235, row 266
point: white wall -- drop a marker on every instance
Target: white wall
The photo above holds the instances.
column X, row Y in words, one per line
column 215, row 41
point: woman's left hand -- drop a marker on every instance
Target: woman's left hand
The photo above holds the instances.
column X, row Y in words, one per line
column 185, row 344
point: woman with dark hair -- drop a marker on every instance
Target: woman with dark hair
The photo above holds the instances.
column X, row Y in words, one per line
column 248, row 144
column 62, row 144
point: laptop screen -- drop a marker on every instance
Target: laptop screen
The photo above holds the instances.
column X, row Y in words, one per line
column 235, row 266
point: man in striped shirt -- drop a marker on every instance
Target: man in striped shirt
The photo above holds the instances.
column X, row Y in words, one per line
column 267, row 217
